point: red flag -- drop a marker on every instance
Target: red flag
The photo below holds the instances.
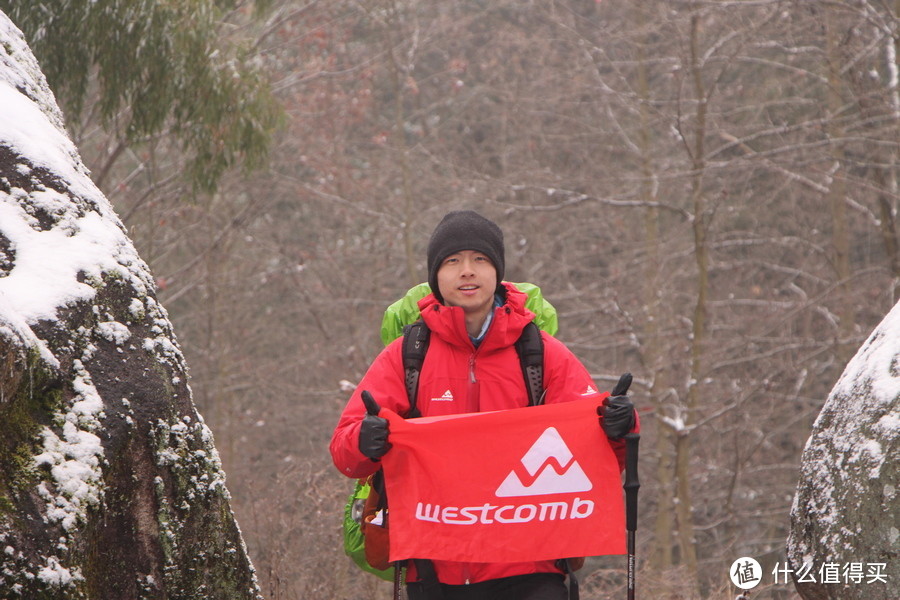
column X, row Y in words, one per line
column 519, row 485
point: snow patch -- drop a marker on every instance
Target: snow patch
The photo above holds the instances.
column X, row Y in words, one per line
column 136, row 308
column 113, row 332
column 55, row 574
column 49, row 264
column 22, row 71
column 74, row 463
column 75, row 460
column 876, row 361
column 889, row 423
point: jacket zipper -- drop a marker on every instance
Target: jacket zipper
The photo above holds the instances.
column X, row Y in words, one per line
column 472, row 394
column 474, row 397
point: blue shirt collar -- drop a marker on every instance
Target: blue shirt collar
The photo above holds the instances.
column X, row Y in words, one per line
column 498, row 301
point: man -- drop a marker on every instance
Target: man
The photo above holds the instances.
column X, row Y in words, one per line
column 471, row 366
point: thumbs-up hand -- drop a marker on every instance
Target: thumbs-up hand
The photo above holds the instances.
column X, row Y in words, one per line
column 622, row 385
column 373, row 434
column 617, row 412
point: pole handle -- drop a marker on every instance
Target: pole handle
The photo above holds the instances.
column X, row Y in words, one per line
column 632, row 482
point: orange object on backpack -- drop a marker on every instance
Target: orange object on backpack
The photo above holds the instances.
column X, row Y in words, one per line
column 374, row 527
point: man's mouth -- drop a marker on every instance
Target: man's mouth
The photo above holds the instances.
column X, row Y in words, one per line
column 468, row 288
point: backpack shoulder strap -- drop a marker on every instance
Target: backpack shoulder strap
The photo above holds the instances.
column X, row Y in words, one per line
column 415, row 344
column 530, row 347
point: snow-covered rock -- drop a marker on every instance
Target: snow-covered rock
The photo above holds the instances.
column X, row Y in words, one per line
column 110, row 484
column 845, row 521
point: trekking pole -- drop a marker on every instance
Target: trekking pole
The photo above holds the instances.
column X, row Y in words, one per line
column 398, row 580
column 632, row 484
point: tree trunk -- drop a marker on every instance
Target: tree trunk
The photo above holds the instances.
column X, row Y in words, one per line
column 653, row 355
column 684, row 508
column 110, row 485
column 837, row 191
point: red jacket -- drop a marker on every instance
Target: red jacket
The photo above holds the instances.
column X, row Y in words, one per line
column 458, row 378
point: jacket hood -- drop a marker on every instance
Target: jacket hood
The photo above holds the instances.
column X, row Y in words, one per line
column 406, row 310
column 449, row 322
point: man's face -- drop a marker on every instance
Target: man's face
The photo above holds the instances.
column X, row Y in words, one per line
column 468, row 279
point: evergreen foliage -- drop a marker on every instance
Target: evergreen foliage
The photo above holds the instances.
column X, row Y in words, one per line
column 156, row 67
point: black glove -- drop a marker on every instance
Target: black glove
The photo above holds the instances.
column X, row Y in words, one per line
column 617, row 413
column 373, row 433
column 617, row 417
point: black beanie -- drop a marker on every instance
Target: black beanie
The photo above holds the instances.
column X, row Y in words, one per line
column 464, row 230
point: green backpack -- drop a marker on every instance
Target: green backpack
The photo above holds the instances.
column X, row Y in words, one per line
column 402, row 318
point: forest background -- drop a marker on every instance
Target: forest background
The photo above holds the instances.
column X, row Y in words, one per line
column 705, row 190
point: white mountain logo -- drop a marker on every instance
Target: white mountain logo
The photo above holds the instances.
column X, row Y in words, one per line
column 446, row 397
column 549, row 468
